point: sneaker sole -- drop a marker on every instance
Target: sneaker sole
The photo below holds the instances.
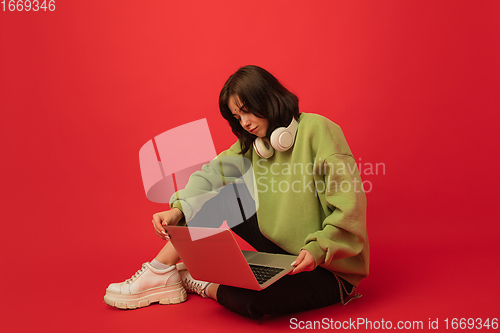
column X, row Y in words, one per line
column 171, row 294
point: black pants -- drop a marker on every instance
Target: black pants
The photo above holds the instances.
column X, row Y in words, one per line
column 292, row 293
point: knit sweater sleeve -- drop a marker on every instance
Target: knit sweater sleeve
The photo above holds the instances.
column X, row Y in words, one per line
column 343, row 232
column 227, row 167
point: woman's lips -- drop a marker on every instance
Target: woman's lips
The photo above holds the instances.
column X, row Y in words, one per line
column 253, row 130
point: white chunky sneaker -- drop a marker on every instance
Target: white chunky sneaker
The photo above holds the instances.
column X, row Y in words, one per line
column 191, row 285
column 148, row 285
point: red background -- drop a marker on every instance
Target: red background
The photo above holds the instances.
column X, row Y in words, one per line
column 414, row 85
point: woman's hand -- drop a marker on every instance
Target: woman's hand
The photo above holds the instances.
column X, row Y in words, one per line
column 169, row 217
column 304, row 263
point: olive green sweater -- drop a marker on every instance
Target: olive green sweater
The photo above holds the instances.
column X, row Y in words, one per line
column 309, row 197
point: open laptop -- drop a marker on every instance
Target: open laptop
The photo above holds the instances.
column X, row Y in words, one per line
column 213, row 255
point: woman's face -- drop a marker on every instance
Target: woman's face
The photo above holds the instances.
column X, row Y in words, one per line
column 250, row 122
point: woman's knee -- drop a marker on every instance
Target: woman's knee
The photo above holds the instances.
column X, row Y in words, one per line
column 248, row 303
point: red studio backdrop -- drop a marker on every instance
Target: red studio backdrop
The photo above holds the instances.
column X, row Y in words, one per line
column 413, row 84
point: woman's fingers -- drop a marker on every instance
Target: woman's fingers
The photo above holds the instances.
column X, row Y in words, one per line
column 164, row 231
column 299, row 259
column 304, row 262
column 159, row 228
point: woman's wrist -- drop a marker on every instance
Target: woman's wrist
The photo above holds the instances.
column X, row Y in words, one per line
column 179, row 215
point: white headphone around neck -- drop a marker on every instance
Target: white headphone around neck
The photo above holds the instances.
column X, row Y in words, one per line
column 282, row 139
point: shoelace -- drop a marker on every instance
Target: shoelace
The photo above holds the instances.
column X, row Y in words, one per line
column 192, row 285
column 137, row 274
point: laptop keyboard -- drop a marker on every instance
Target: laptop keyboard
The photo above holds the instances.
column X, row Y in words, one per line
column 264, row 273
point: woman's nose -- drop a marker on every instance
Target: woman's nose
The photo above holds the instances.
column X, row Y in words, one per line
column 245, row 121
